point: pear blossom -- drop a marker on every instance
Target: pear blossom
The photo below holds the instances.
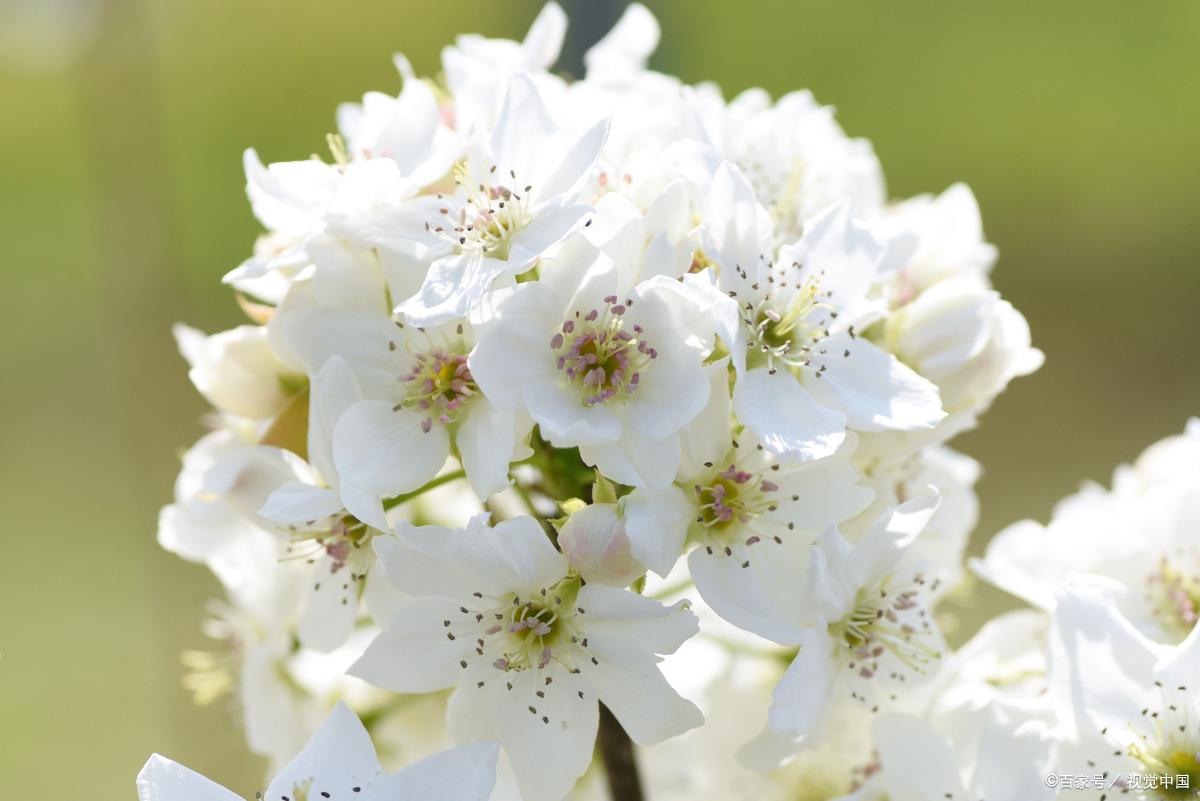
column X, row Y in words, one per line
column 942, row 545
column 291, row 200
column 866, row 634
column 479, row 68
column 1141, row 534
column 546, row 379
column 497, row 614
column 949, row 241
column 237, row 371
column 746, row 515
column 339, row 762
column 794, row 154
column 916, row 762
column 518, row 194
column 1127, row 705
column 966, row 339
column 611, row 368
column 793, row 322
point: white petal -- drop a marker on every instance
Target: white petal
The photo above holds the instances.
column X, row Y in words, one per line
column 338, row 758
column 453, row 286
column 800, row 700
column 785, row 417
column 626, row 47
column 161, row 779
column 565, row 421
column 461, row 774
column 547, row 757
column 544, row 41
column 656, row 522
column 299, row 503
column 514, row 349
column 485, row 441
column 657, row 628
column 333, row 391
column 414, row 652
column 766, row 597
column 707, row 437
column 878, row 552
column 737, row 229
column 544, row 231
column 875, row 390
column 330, row 608
column 918, row 763
column 846, row 258
column 634, row 460
column 522, row 131
column 384, row 452
column 672, row 392
column 825, row 490
column 313, row 335
column 629, row 683
column 576, row 164
column 513, row 555
column 1100, row 667
column 1013, row 764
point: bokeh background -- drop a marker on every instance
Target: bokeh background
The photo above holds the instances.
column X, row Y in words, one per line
column 121, row 206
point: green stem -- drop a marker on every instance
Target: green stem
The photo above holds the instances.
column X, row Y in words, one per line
column 392, row 503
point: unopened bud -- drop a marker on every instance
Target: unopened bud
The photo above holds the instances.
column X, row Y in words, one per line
column 594, row 541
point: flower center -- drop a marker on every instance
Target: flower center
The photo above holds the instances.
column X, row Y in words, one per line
column 1174, row 595
column 788, row 333
column 1172, row 763
column 599, row 353
column 531, row 633
column 733, row 497
column 886, row 621
column 441, row 385
column 491, row 214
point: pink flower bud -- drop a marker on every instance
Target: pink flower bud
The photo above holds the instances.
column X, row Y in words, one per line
column 594, row 541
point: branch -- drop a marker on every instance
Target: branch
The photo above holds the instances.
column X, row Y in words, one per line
column 620, row 764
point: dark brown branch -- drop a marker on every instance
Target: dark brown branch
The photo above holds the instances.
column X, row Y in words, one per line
column 620, row 763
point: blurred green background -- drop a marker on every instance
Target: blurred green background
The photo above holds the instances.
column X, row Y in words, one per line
column 121, row 206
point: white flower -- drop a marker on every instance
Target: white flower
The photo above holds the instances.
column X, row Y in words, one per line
column 950, row 242
column 290, row 199
column 237, row 371
column 748, row 515
column 867, row 633
column 792, row 324
column 497, row 614
column 518, row 194
column 1128, row 706
column 1141, row 534
column 918, row 763
column 311, row 511
column 609, row 367
column 795, row 155
column 624, row 49
column 224, row 483
column 409, row 129
column 416, row 400
column 962, row 336
column 951, row 475
column 997, row 678
column 339, row 763
column 478, row 68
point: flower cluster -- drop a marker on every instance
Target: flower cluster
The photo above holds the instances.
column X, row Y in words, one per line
column 573, row 410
